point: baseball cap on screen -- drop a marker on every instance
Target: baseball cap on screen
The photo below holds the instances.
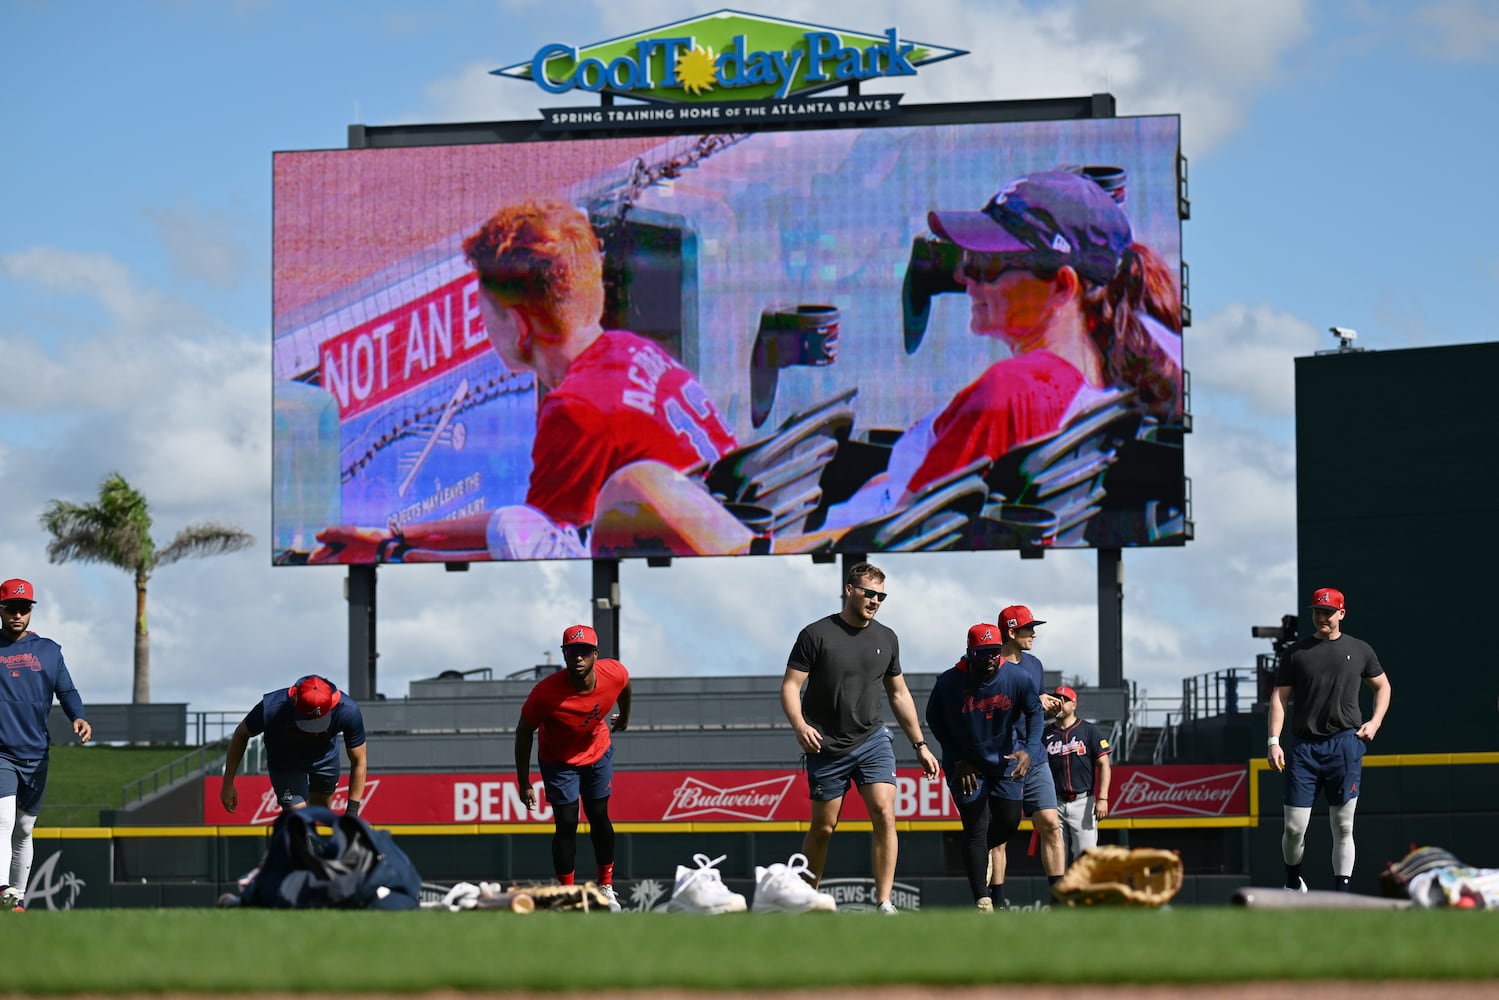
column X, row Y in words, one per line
column 580, row 635
column 1326, row 597
column 984, row 636
column 1017, row 616
column 17, row 590
column 1057, row 214
column 314, row 698
column 1063, row 691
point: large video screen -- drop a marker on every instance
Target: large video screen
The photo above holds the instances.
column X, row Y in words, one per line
column 893, row 338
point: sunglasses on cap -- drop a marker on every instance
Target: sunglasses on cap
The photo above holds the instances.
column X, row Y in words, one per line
column 878, row 596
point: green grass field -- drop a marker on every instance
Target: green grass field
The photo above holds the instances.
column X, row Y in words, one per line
column 241, row 951
column 82, row 780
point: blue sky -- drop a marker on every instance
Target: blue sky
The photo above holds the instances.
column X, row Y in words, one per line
column 1341, row 173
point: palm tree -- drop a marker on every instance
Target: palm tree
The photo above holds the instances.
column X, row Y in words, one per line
column 116, row 531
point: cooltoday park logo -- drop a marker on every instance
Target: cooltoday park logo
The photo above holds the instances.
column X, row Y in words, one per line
column 726, row 56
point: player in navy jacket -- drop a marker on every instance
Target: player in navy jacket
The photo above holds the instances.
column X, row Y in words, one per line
column 301, row 726
column 32, row 673
column 973, row 713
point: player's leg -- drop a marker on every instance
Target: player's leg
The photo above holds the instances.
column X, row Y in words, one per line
column 562, row 785
column 875, row 774
column 597, row 785
column 1342, row 799
column 974, row 814
column 1004, row 820
column 1300, row 790
column 22, row 851
column 7, row 832
column 1085, row 831
column 827, row 781
column 1041, row 803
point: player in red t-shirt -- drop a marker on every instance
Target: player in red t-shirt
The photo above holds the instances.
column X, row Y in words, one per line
column 570, row 710
column 613, row 397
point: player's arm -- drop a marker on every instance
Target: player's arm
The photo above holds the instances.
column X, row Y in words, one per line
column 807, row 736
column 524, row 733
column 904, row 708
column 1380, row 685
column 1103, row 773
column 1279, row 699
column 622, row 717
column 232, row 756
column 358, row 769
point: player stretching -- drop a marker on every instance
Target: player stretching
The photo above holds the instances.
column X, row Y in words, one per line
column 1320, row 676
column 570, row 709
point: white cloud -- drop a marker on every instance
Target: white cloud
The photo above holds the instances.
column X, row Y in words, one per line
column 1247, row 353
column 1458, row 30
column 201, row 244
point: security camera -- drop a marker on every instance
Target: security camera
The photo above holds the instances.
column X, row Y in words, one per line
column 1343, row 332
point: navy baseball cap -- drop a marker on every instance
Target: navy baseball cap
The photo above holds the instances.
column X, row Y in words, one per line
column 1057, row 214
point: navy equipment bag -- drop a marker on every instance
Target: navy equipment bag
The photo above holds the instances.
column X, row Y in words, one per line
column 318, row 859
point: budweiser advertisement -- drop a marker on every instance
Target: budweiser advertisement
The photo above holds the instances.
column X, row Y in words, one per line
column 1179, row 790
column 710, row 796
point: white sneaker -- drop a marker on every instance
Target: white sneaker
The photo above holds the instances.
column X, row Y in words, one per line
column 701, row 890
column 11, row 898
column 1300, row 885
column 985, row 905
column 608, row 891
column 888, row 908
column 781, row 889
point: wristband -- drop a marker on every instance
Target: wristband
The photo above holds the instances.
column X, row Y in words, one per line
column 1274, row 741
column 918, row 746
column 353, row 808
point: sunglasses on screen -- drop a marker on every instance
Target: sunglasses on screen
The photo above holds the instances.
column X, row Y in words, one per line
column 990, row 267
column 874, row 595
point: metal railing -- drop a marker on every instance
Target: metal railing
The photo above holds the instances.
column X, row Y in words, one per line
column 191, row 764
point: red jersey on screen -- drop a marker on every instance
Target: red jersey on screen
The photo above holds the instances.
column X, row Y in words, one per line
column 622, row 400
column 573, row 727
column 1015, row 401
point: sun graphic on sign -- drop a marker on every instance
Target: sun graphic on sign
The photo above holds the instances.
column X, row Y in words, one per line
column 696, row 70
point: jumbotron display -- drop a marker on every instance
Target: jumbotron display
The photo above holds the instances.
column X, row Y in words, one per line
column 895, row 338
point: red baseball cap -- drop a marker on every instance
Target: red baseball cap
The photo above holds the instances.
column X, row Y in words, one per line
column 984, row 636
column 1017, row 616
column 17, row 590
column 1063, row 691
column 314, row 698
column 1326, row 597
column 580, row 635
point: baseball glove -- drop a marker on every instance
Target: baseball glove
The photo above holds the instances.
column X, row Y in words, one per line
column 1121, row 876
column 564, row 898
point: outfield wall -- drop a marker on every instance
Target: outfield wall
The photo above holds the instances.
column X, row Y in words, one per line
column 1448, row 800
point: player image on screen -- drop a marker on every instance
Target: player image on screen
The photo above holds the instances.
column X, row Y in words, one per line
column 1051, row 268
column 614, row 397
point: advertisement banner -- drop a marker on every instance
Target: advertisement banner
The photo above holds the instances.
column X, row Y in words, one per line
column 753, row 796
